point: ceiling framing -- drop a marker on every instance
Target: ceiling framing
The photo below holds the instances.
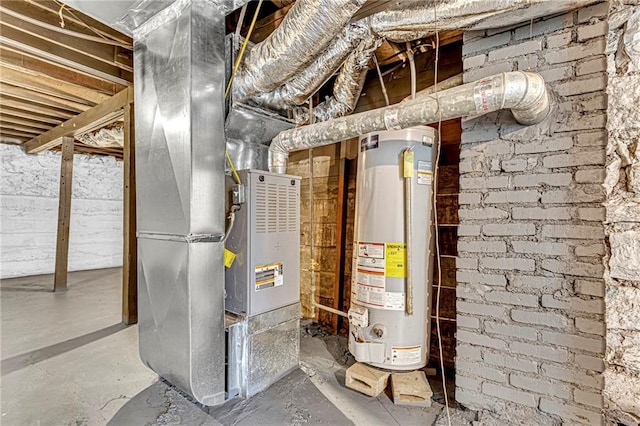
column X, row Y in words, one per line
column 56, row 63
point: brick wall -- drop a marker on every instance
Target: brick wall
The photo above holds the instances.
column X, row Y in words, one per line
column 530, row 335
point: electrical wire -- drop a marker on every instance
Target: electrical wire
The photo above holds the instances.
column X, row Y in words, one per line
column 233, row 73
column 435, row 214
column 382, row 85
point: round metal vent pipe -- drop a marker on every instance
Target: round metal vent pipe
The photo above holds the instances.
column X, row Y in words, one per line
column 522, row 92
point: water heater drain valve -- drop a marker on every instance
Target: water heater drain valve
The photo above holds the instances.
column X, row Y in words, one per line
column 358, row 316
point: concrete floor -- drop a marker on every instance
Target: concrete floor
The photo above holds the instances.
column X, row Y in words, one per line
column 67, row 360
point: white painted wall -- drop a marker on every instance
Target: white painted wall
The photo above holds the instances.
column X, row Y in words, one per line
column 29, row 187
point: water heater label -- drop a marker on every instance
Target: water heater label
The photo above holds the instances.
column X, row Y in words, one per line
column 371, row 250
column 370, row 277
column 406, row 355
column 268, row 276
column 396, row 260
column 394, row 301
column 425, row 172
column 370, row 296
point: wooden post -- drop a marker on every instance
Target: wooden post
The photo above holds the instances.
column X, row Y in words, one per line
column 64, row 215
column 130, row 245
column 341, row 231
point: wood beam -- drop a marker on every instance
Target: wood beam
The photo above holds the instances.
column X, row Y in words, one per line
column 107, row 53
column 40, row 98
column 341, row 232
column 57, row 114
column 29, row 115
column 13, row 126
column 64, row 216
column 36, row 47
column 8, row 118
column 98, row 116
column 43, row 84
column 130, row 244
column 16, row 133
column 16, row 59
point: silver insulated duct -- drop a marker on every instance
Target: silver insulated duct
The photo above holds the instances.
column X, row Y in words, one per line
column 522, row 92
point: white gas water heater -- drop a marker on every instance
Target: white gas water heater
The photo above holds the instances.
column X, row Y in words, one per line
column 389, row 318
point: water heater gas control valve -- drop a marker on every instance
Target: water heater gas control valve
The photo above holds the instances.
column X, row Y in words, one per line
column 358, row 316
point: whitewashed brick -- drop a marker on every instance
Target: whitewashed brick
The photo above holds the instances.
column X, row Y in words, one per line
column 595, row 214
column 590, row 288
column 482, row 246
column 469, row 292
column 481, row 370
column 484, row 182
column 504, row 197
column 590, row 250
column 591, row 65
column 474, row 61
column 590, row 362
column 550, row 249
column 568, row 267
column 578, row 121
column 586, row 14
column 573, row 231
column 556, row 74
column 469, row 198
column 479, row 340
column 540, row 213
column 575, row 159
column 467, row 382
column 468, row 352
column 545, row 26
column 582, row 86
column 466, row 263
column 555, row 144
column 499, row 229
column 467, row 322
column 478, row 278
column 576, row 304
column 541, row 386
column 588, row 398
column 508, row 361
column 508, row 263
column 571, row 412
column 573, row 53
column 548, row 319
column 481, row 309
column 590, row 326
column 488, row 149
column 485, row 43
column 532, row 282
column 573, row 376
column 537, row 350
column 526, row 333
column 510, row 394
column 483, row 135
column 585, row 193
column 468, row 230
column 537, row 179
column 482, row 214
column 510, row 298
column 559, row 40
column 575, row 342
column 598, row 138
column 516, row 165
column 515, row 50
column 472, row 399
column 590, row 176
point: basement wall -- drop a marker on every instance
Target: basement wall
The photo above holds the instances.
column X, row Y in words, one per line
column 622, row 184
column 530, row 295
column 29, row 188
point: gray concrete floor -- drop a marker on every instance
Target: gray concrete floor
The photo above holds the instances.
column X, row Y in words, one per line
column 66, row 359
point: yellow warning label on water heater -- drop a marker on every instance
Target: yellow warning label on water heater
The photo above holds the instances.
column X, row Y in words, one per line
column 408, row 163
column 396, row 260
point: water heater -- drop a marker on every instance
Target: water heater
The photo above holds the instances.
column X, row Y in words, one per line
column 393, row 249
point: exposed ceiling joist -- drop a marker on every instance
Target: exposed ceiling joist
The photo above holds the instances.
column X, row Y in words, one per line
column 94, row 118
column 29, row 115
column 30, row 45
column 6, row 118
column 34, row 107
column 41, row 98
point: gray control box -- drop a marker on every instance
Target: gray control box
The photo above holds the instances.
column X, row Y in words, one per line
column 266, row 241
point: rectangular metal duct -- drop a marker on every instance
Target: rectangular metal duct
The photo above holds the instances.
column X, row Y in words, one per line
column 179, row 85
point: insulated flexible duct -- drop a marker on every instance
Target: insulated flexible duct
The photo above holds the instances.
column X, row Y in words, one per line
column 306, row 30
column 522, row 92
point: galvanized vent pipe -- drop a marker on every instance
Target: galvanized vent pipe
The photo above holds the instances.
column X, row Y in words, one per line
column 522, row 92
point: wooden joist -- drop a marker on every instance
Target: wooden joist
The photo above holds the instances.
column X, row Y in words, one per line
column 41, row 98
column 94, row 118
column 130, row 244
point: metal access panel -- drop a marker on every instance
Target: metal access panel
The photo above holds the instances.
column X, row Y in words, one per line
column 266, row 240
